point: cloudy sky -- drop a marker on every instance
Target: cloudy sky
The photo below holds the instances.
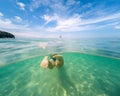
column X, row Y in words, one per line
column 69, row 18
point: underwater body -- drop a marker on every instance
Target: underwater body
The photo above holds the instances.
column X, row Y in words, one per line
column 91, row 67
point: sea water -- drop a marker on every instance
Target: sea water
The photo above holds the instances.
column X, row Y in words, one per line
column 91, row 67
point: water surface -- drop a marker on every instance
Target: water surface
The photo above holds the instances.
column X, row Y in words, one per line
column 91, row 67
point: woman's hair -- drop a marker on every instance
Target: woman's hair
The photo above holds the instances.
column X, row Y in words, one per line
column 51, row 56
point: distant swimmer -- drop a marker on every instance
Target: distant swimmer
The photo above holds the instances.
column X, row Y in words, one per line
column 55, row 61
column 60, row 36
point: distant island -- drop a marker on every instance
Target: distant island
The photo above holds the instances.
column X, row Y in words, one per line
column 4, row 34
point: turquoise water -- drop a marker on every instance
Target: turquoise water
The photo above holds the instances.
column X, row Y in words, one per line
column 91, row 68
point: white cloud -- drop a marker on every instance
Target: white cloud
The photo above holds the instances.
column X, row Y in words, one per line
column 59, row 8
column 36, row 4
column 55, row 5
column 18, row 19
column 8, row 25
column 48, row 18
column 22, row 30
column 70, row 24
column 117, row 27
column 21, row 5
column 1, row 14
column 70, row 2
column 76, row 23
column 101, row 19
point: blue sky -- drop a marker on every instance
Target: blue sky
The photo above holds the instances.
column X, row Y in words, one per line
column 70, row 18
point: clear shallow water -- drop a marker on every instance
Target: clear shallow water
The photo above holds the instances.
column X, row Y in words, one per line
column 84, row 73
